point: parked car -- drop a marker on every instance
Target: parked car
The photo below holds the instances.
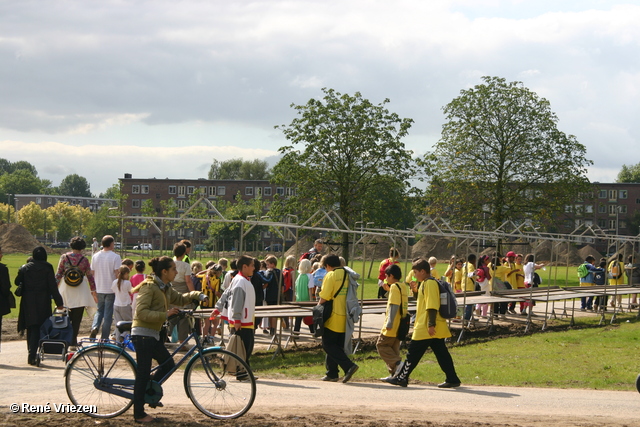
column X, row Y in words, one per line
column 60, row 245
column 200, row 247
column 144, row 246
column 274, row 248
column 118, row 245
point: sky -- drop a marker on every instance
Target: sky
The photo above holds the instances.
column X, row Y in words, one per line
column 161, row 88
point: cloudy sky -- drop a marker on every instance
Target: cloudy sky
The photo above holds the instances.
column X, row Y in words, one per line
column 161, row 88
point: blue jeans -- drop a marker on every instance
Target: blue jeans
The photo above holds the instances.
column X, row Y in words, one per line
column 105, row 312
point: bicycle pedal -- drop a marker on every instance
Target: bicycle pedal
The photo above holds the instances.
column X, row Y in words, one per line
column 156, row 405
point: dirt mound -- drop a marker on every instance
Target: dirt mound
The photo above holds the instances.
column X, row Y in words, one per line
column 589, row 250
column 429, row 246
column 14, row 238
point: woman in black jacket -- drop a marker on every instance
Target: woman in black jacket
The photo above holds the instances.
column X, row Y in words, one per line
column 6, row 297
column 38, row 283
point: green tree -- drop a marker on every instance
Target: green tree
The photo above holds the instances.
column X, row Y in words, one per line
column 101, row 224
column 22, row 181
column 629, row 173
column 502, row 157
column 7, row 212
column 239, row 169
column 67, row 220
column 350, row 149
column 238, row 210
column 32, row 218
column 74, row 185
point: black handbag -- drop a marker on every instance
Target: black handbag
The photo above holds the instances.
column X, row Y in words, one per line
column 322, row 312
column 405, row 321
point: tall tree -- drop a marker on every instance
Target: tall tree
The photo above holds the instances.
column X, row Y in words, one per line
column 239, row 169
column 22, row 181
column 74, row 185
column 629, row 173
column 502, row 157
column 32, row 217
column 349, row 149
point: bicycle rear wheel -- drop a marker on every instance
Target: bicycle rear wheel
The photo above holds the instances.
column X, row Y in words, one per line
column 220, row 384
column 638, row 383
column 87, row 372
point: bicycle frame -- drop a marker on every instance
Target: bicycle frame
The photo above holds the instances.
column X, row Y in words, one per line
column 124, row 387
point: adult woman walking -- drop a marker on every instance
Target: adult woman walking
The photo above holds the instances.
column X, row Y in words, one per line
column 76, row 298
column 155, row 295
column 38, row 286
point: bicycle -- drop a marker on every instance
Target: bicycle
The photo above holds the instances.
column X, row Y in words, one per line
column 219, row 383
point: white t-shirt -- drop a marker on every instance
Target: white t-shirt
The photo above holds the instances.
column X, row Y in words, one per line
column 123, row 297
column 104, row 264
column 180, row 282
column 528, row 272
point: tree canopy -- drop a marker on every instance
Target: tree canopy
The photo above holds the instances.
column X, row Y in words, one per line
column 74, row 185
column 629, row 173
column 502, row 157
column 239, row 169
column 344, row 151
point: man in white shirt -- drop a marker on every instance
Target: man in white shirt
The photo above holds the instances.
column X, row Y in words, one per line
column 105, row 265
column 94, row 246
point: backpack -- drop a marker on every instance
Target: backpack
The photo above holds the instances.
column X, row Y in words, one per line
column 615, row 270
column 306, row 255
column 448, row 300
column 72, row 275
column 536, row 280
column 287, row 278
column 583, row 271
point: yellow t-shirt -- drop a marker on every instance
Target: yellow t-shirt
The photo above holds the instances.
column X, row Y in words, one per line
column 620, row 279
column 519, row 276
column 396, row 299
column 457, row 280
column 429, row 298
column 330, row 285
column 470, row 283
column 434, row 273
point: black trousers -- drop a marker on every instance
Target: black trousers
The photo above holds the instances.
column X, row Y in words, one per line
column 298, row 324
column 148, row 349
column 247, row 337
column 333, row 346
column 416, row 350
column 75, row 315
column 33, row 341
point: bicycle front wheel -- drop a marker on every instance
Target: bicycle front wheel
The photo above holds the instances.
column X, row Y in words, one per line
column 220, row 384
column 86, row 385
column 638, row 383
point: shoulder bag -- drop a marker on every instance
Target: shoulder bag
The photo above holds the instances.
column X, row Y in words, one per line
column 322, row 312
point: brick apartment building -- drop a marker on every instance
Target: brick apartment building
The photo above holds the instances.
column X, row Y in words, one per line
column 47, row 200
column 138, row 190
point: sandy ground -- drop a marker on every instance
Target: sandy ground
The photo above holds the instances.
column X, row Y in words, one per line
column 313, row 403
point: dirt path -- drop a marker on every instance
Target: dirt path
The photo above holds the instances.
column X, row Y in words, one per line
column 314, row 403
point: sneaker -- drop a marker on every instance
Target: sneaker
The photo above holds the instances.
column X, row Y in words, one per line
column 350, row 373
column 512, row 311
column 94, row 333
column 264, row 331
column 448, row 385
column 328, row 378
column 397, row 381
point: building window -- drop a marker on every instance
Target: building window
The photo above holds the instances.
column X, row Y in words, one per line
column 135, row 203
column 135, row 189
column 588, row 209
column 602, row 194
column 182, row 204
column 612, row 224
column 158, row 196
column 613, row 194
column 144, row 232
column 248, row 191
column 612, row 209
column 568, row 208
column 578, row 209
column 588, row 222
column 602, row 223
column 291, row 191
column 212, row 191
column 267, row 191
column 49, row 200
column 181, row 190
column 222, row 191
column 622, row 194
column 258, row 191
column 568, row 223
column 622, row 209
column 172, row 189
column 190, row 189
column 145, row 189
column 623, row 224
column 203, row 191
column 135, row 231
column 280, row 191
column 602, row 208
column 38, row 200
